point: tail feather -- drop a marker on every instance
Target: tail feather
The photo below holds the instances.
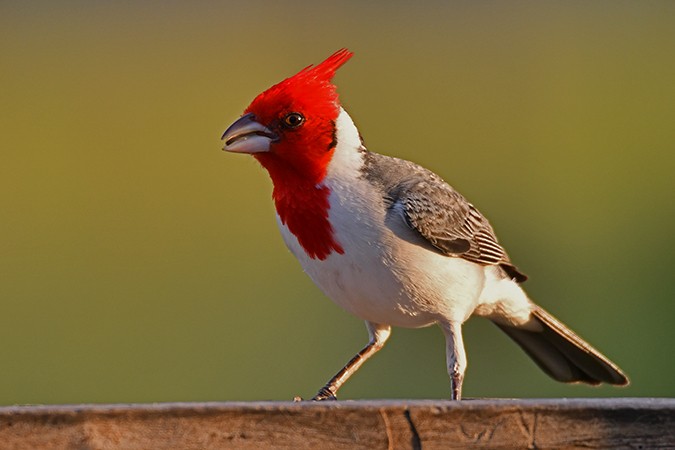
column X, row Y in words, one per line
column 562, row 354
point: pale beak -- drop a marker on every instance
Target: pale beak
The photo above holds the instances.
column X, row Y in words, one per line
column 246, row 135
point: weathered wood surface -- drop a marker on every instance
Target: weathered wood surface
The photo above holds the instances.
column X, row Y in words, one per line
column 638, row 423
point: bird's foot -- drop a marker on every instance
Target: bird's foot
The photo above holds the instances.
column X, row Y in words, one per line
column 324, row 394
column 457, row 380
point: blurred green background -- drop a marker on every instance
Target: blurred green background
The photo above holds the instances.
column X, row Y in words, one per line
column 138, row 262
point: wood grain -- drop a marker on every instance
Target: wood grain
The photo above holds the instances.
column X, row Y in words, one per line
column 644, row 423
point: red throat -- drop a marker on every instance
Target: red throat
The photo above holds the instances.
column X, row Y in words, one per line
column 304, row 210
column 298, row 162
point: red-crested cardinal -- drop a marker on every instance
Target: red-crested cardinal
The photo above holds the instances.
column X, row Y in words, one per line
column 389, row 241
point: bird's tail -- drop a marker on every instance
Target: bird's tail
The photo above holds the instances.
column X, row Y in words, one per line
column 562, row 354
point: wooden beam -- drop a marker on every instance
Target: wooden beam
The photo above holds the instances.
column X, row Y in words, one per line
column 393, row 424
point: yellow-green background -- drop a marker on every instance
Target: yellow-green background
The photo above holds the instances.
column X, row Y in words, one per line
column 138, row 262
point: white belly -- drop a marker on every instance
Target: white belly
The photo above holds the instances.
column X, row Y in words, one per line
column 385, row 279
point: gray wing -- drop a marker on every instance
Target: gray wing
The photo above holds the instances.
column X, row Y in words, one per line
column 441, row 215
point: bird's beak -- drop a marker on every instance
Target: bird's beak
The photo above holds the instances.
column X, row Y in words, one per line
column 247, row 135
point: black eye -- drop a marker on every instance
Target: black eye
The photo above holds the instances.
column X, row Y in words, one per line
column 293, row 120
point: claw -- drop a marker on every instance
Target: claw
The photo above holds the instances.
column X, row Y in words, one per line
column 324, row 394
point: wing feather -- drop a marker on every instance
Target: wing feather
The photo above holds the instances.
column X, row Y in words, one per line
column 441, row 215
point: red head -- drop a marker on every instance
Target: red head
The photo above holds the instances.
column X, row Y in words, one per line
column 290, row 130
column 298, row 116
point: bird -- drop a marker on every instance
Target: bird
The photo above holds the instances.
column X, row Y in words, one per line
column 389, row 241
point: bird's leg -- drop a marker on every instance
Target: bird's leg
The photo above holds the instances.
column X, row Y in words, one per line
column 456, row 357
column 378, row 336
